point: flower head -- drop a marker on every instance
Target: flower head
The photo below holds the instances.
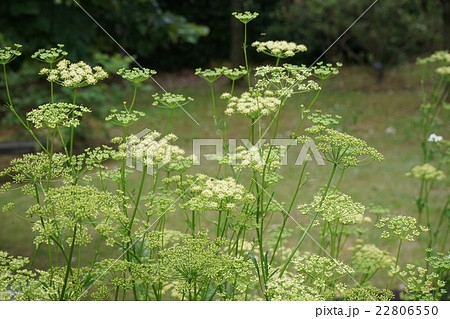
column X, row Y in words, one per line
column 325, row 71
column 285, row 80
column 336, row 209
column 153, row 151
column 73, row 206
column 316, row 278
column 438, row 56
column 211, row 194
column 326, row 120
column 246, row 16
column 279, row 49
column 443, row 70
column 136, row 75
column 53, row 115
column 197, row 264
column 50, row 55
column 253, row 104
column 74, row 75
column 427, row 172
column 434, row 138
column 341, row 148
column 400, row 227
column 234, row 74
column 368, row 258
column 170, row 100
column 422, row 285
column 124, row 118
column 7, row 54
column 209, row 75
column 267, row 157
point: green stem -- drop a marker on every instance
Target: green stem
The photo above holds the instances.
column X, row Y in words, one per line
column 169, row 124
column 213, row 99
column 134, row 97
column 138, row 199
column 244, row 47
column 11, row 107
column 278, row 61
column 396, row 264
column 69, row 263
column 72, row 128
column 7, row 87
column 308, row 228
column 286, row 216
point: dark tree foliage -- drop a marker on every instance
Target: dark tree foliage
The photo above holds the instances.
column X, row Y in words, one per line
column 142, row 27
column 173, row 34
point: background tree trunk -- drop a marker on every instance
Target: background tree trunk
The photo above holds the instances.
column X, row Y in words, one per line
column 236, row 31
column 446, row 23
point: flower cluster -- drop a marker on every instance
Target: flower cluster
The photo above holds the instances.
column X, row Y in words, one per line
column 93, row 158
column 438, row 261
column 121, row 274
column 325, row 71
column 326, row 120
column 20, row 284
column 443, row 70
column 336, row 209
column 74, row 75
column 377, row 210
column 368, row 258
column 426, row 172
column 315, row 280
column 7, row 207
column 136, row 75
column 234, row 74
column 400, row 227
column 72, row 210
column 7, row 54
column 124, row 118
column 341, row 148
column 152, row 152
column 421, row 285
column 211, row 194
column 54, row 115
column 442, row 57
column 17, row 283
column 324, row 270
column 50, row 56
column 434, row 138
column 245, row 17
column 438, row 56
column 293, row 288
column 198, row 265
column 256, row 158
column 157, row 239
column 285, row 80
column 279, row 49
column 209, row 75
column 170, row 100
column 34, row 168
column 161, row 203
column 252, row 104
column 367, row 293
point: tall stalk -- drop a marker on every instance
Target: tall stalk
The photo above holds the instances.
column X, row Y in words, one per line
column 311, row 223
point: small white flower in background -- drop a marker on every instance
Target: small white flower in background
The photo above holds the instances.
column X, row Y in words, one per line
column 435, row 138
column 390, row 130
